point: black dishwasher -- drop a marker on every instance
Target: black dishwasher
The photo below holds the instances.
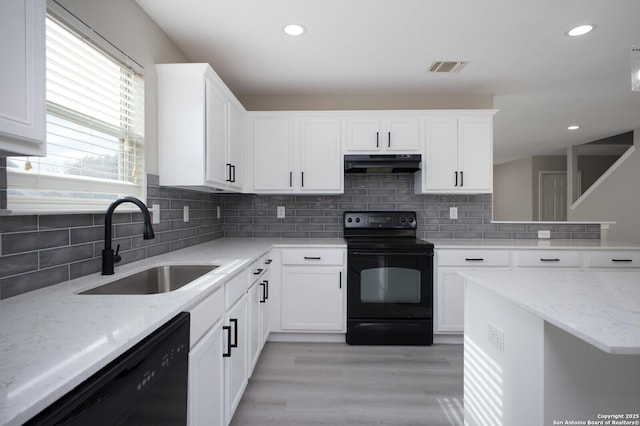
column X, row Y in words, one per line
column 147, row 385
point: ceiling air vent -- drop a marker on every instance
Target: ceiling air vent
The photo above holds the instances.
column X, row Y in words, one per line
column 447, row 66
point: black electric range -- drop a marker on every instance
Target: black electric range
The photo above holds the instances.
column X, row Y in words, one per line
column 389, row 279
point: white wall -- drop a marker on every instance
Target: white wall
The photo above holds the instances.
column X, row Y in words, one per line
column 131, row 30
column 512, row 190
column 615, row 198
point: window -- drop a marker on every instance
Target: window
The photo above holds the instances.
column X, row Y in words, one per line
column 95, row 128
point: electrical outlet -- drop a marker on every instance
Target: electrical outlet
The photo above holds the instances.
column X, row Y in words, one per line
column 218, row 212
column 155, row 214
column 544, row 233
column 453, row 212
column 185, row 215
column 280, row 212
column 495, row 336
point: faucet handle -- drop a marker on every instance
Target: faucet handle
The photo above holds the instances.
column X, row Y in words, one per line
column 116, row 257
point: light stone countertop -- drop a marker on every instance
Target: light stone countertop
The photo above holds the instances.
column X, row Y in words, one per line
column 53, row 339
column 601, row 308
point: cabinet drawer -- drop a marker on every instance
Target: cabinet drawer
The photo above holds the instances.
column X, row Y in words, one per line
column 472, row 258
column 313, row 257
column 236, row 287
column 205, row 314
column 548, row 258
column 257, row 270
column 613, row 259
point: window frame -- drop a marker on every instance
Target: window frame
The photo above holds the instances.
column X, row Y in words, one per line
column 17, row 179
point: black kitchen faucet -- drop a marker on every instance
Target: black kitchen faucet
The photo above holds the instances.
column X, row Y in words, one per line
column 109, row 258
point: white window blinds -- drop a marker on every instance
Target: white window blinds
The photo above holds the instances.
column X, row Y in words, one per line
column 95, row 131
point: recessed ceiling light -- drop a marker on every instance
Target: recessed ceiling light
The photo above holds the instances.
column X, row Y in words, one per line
column 573, row 127
column 580, row 30
column 294, row 29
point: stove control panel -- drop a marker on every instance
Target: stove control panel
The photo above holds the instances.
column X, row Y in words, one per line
column 380, row 219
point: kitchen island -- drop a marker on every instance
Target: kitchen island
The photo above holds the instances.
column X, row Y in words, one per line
column 552, row 347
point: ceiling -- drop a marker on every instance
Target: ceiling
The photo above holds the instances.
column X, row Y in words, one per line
column 542, row 80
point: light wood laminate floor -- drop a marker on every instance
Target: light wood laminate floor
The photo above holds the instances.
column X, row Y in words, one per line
column 337, row 384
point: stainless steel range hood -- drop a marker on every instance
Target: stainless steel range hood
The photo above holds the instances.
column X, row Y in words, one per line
column 382, row 163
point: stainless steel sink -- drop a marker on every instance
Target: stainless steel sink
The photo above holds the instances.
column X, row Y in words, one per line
column 160, row 279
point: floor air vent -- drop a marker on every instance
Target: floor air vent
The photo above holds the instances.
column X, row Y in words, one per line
column 447, row 66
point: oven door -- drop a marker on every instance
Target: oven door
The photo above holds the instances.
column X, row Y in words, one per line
column 390, row 284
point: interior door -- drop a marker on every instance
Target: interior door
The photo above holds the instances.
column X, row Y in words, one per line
column 553, row 196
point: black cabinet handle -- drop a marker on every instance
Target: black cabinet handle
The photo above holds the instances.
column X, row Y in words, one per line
column 228, row 177
column 555, row 259
column 290, row 179
column 474, row 259
column 340, row 282
column 266, row 288
column 227, row 354
column 268, row 261
column 312, row 258
column 456, row 178
column 622, row 260
column 234, row 321
column 377, row 139
column 389, row 141
column 264, row 292
column 258, row 271
column 461, row 178
column 302, row 179
column 233, row 171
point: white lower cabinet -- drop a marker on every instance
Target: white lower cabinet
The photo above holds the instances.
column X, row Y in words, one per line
column 206, row 380
column 235, row 356
column 206, row 373
column 255, row 332
column 312, row 299
column 449, row 286
column 313, row 290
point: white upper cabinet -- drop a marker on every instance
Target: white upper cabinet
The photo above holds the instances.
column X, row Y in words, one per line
column 22, row 86
column 458, row 155
column 199, row 129
column 298, row 154
column 320, row 155
column 375, row 134
column 273, row 145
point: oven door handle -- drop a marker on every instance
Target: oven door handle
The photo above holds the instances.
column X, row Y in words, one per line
column 387, row 253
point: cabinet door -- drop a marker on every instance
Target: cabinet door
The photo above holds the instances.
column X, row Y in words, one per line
column 475, row 153
column 22, row 86
column 215, row 135
column 450, row 301
column 265, row 323
column 363, row 134
column 403, row 134
column 441, row 153
column 206, row 380
column 255, row 330
column 234, row 148
column 312, row 298
column 273, row 155
column 235, row 366
column 321, row 163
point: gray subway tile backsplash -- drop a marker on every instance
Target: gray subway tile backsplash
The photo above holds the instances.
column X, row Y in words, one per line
column 41, row 250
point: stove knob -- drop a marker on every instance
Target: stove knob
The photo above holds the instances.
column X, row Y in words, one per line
column 350, row 220
column 403, row 220
column 357, row 220
column 411, row 219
